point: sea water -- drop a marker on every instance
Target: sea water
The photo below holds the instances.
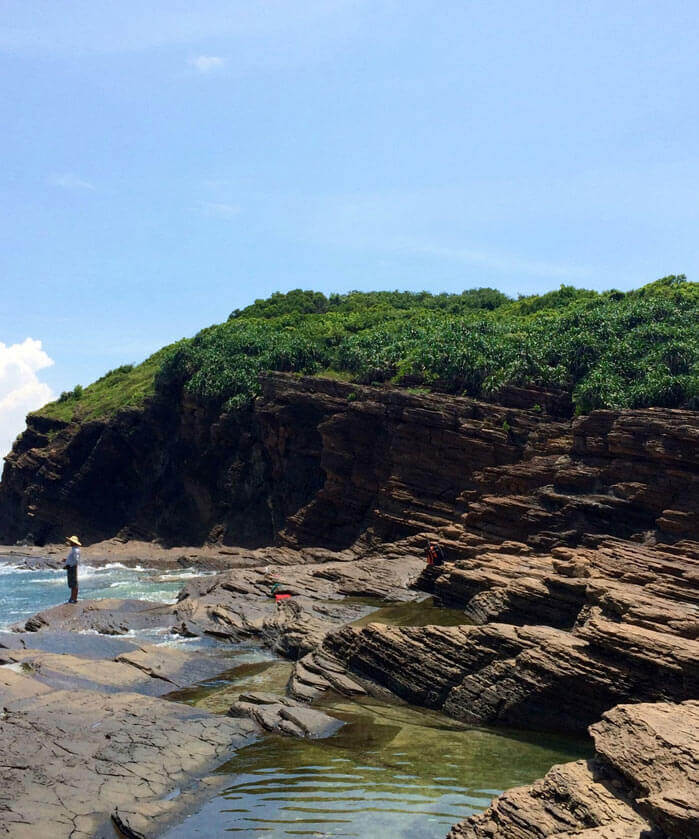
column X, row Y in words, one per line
column 23, row 592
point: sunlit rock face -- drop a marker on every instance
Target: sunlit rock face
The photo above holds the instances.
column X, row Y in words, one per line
column 319, row 462
column 641, row 783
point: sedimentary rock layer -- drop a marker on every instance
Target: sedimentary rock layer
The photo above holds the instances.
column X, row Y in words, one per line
column 641, row 784
column 318, row 462
column 563, row 636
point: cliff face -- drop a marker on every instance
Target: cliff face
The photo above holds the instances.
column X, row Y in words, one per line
column 318, row 462
column 174, row 471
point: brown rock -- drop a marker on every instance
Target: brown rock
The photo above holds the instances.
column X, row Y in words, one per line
column 643, row 783
column 70, row 759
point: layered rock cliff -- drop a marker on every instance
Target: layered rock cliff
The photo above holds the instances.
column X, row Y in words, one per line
column 318, row 462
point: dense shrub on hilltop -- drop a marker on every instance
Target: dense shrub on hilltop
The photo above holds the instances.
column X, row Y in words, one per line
column 614, row 349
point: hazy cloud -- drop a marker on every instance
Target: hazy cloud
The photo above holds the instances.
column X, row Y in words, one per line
column 219, row 209
column 207, row 63
column 106, row 27
column 68, row 180
column 497, row 260
column 21, row 390
column 421, row 223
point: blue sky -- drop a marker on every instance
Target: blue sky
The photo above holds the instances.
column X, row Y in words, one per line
column 164, row 162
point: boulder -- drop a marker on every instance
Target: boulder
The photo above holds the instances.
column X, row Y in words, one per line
column 283, row 715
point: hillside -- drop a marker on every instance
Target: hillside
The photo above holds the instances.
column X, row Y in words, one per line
column 608, row 350
column 239, row 434
column 320, row 443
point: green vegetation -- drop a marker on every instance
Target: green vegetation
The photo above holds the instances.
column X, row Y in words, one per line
column 612, row 349
column 126, row 387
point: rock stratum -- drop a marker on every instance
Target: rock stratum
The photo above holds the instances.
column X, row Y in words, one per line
column 571, row 549
column 319, row 462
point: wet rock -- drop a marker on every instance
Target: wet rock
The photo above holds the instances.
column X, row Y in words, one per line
column 84, row 645
column 109, row 616
column 176, row 667
column 148, row 669
column 283, row 715
column 315, row 673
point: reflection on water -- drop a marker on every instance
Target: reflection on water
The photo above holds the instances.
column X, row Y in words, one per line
column 259, row 671
column 413, row 613
column 392, row 771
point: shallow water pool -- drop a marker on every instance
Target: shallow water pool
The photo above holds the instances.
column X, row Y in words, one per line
column 392, row 772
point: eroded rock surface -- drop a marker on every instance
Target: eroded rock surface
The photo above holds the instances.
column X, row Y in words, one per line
column 150, row 669
column 240, row 604
column 282, row 715
column 655, row 750
column 560, row 637
column 108, row 616
column 324, row 463
column 570, row 545
column 72, row 759
column 641, row 784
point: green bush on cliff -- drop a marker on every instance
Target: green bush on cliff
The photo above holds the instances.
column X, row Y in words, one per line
column 612, row 350
column 126, row 387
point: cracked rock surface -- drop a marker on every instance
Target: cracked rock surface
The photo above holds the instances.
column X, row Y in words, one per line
column 71, row 759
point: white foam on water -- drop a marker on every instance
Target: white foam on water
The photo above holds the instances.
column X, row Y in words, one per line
column 91, row 570
column 26, row 591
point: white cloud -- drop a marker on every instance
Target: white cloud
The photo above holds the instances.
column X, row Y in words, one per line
column 207, row 63
column 67, row 180
column 20, row 388
column 219, row 209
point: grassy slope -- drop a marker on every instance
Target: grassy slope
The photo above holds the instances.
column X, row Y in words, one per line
column 609, row 350
column 125, row 387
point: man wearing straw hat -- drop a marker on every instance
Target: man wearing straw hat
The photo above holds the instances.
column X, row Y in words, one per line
column 71, row 563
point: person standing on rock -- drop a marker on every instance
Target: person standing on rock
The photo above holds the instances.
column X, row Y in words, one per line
column 71, row 563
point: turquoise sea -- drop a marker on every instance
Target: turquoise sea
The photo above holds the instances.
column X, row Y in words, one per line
column 23, row 592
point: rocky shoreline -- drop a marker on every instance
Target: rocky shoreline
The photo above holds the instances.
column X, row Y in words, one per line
column 615, row 650
column 87, row 740
column 572, row 557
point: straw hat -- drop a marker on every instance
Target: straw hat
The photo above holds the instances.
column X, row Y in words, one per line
column 73, row 540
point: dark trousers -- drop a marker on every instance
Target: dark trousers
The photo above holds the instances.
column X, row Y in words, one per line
column 72, row 571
